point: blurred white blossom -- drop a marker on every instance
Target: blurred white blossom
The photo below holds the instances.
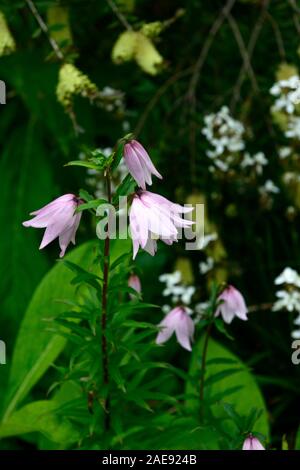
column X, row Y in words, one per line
column 178, row 292
column 288, row 276
column 224, row 133
column 293, row 128
column 207, row 239
column 287, row 93
column 296, row 332
column 206, row 266
column 269, row 188
column 284, row 152
column 287, row 300
column 288, row 297
column 200, row 310
column 257, row 161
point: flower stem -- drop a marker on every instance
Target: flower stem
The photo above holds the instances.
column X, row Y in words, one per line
column 45, row 29
column 203, row 362
column 104, row 305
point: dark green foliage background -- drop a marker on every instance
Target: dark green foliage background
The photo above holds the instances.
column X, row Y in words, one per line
column 37, row 139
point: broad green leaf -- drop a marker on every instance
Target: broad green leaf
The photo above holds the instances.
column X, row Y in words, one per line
column 32, row 358
column 40, row 416
column 23, row 161
column 243, row 399
column 46, row 418
column 179, row 433
column 297, row 445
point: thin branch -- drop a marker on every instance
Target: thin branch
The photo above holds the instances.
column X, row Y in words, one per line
column 207, row 45
column 45, row 29
column 251, row 46
column 296, row 13
column 278, row 36
column 203, row 365
column 119, row 15
column 191, row 94
column 105, row 367
column 260, row 307
column 294, row 6
column 243, row 51
column 156, row 97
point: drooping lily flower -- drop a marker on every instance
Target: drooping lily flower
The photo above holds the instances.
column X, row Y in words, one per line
column 139, row 163
column 154, row 217
column 59, row 219
column 177, row 321
column 232, row 305
column 252, row 443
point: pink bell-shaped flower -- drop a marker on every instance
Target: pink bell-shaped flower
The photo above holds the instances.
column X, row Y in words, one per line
column 232, row 304
column 139, row 163
column 154, row 217
column 177, row 321
column 59, row 219
column 252, row 443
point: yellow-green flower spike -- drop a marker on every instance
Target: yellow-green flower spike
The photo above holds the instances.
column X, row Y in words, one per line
column 72, row 82
column 7, row 42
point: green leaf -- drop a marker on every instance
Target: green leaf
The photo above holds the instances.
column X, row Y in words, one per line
column 83, row 194
column 22, row 265
column 40, row 416
column 121, row 259
column 32, row 358
column 243, row 399
column 126, row 187
column 220, row 325
column 182, row 433
column 91, row 205
column 138, row 324
column 91, row 165
column 297, row 444
column 220, row 375
column 117, row 156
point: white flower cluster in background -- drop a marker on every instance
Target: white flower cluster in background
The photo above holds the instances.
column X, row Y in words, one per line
column 293, row 128
column 178, row 292
column 209, row 263
column 291, row 177
column 269, row 188
column 207, row 239
column 284, row 152
column 112, row 99
column 206, row 266
column 287, row 93
column 289, row 295
column 200, row 310
column 296, row 332
column 257, row 161
column 226, row 136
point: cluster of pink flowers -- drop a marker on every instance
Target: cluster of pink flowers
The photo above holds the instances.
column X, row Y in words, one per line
column 152, row 216
column 230, row 302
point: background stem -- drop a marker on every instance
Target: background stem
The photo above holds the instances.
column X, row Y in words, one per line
column 104, row 305
column 45, row 29
column 203, row 362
